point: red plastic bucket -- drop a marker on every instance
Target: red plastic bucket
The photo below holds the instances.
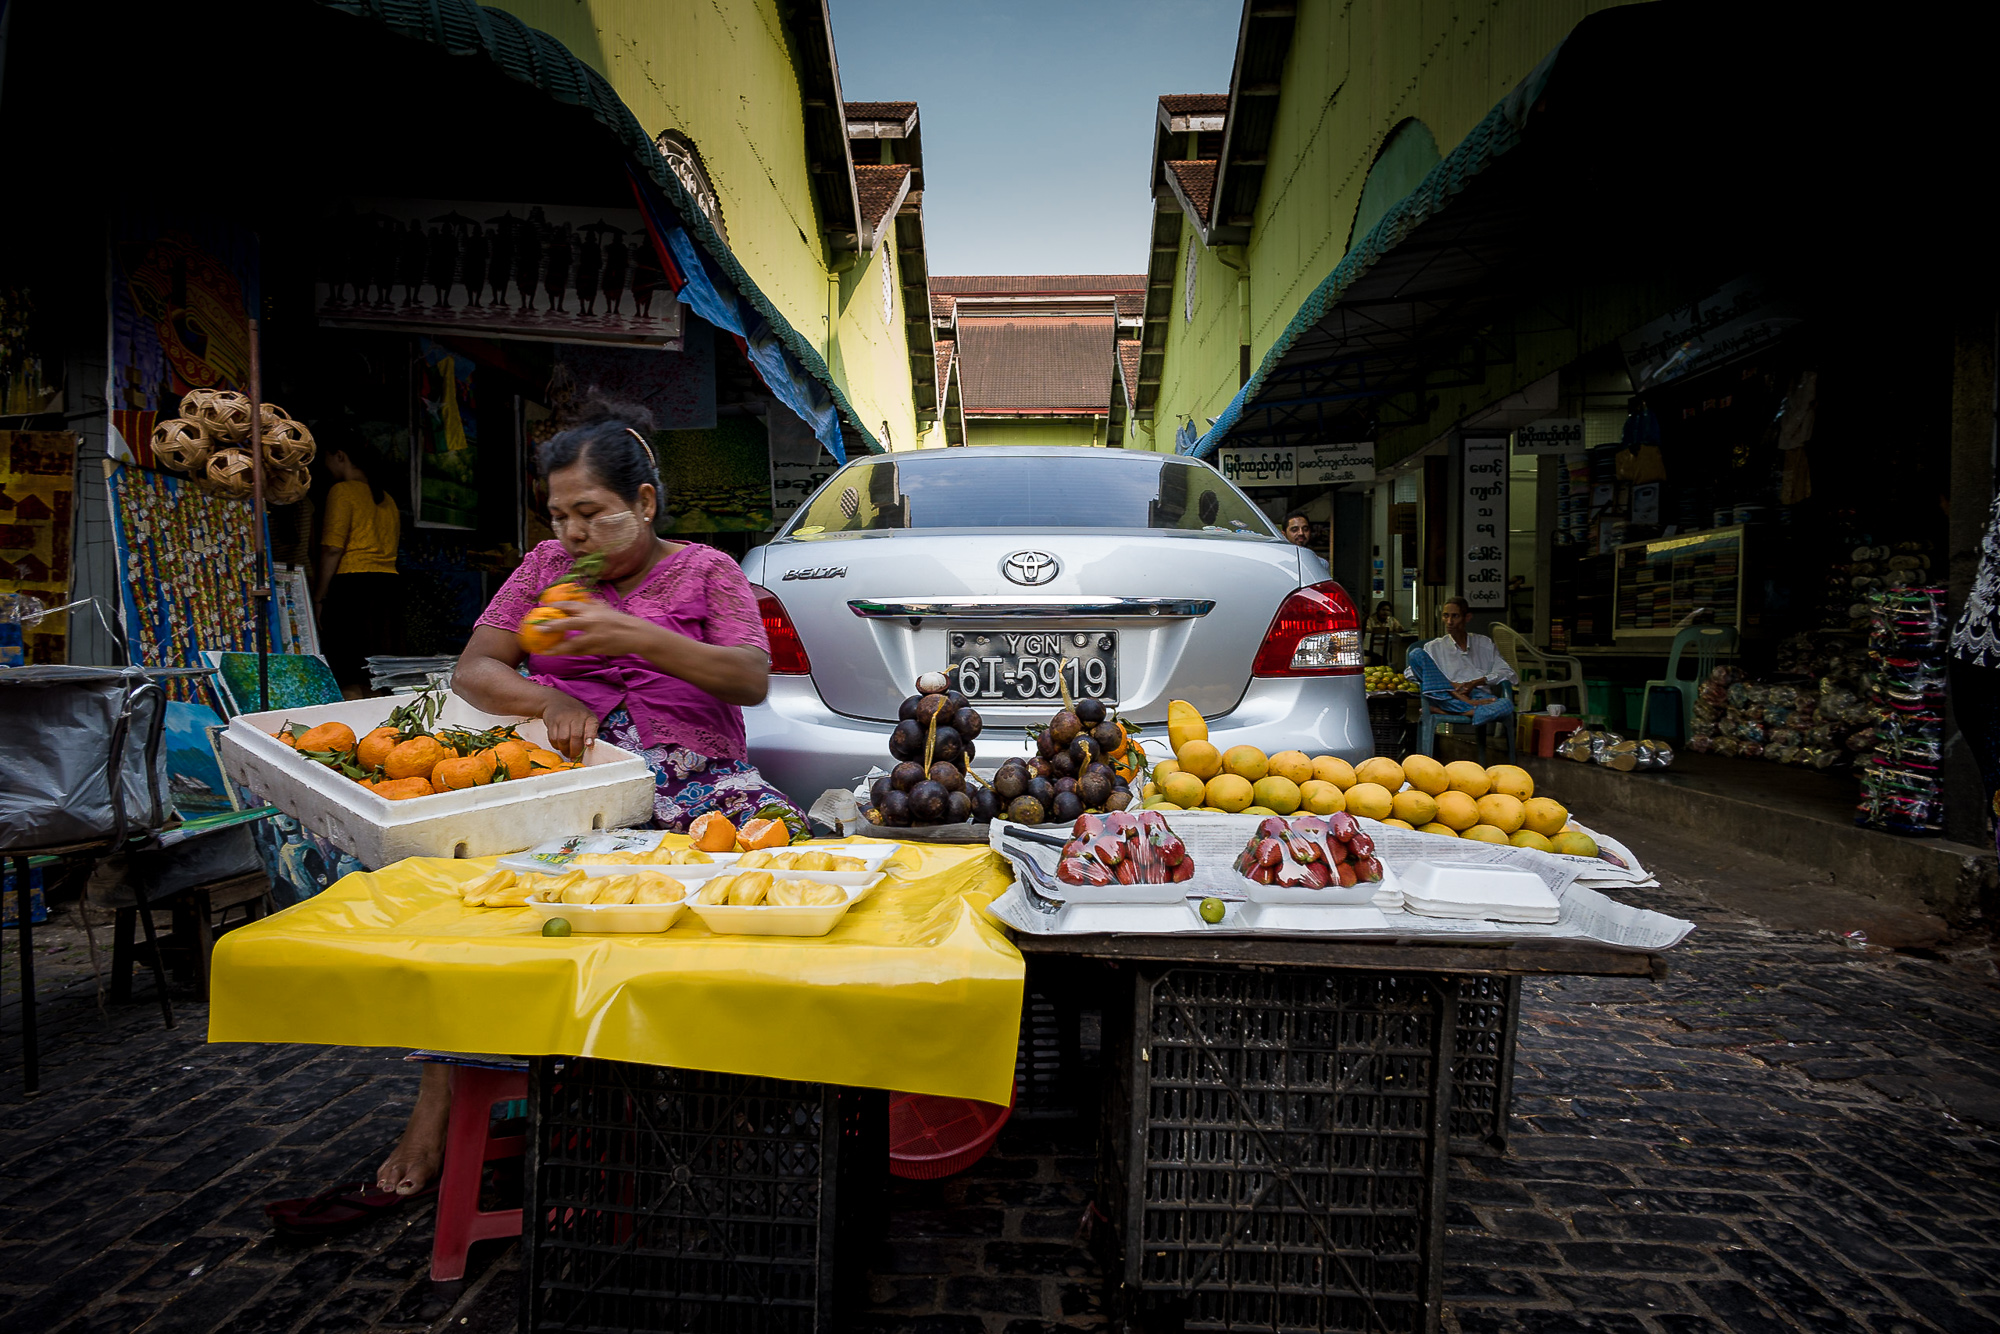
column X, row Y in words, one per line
column 935, row 1137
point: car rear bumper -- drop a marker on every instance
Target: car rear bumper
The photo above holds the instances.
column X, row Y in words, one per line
column 804, row 749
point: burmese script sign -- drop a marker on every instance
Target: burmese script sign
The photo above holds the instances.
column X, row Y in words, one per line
column 1483, row 570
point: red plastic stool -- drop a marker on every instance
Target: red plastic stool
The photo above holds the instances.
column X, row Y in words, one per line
column 1548, row 729
column 468, row 1146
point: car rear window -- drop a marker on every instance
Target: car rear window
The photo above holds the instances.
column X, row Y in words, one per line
column 1091, row 489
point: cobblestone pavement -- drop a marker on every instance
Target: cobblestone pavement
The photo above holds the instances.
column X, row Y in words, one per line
column 1785, row 1135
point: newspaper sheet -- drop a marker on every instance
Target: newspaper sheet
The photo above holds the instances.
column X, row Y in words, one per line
column 1215, row 840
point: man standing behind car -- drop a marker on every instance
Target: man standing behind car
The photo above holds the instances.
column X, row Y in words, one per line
column 1470, row 661
column 1298, row 529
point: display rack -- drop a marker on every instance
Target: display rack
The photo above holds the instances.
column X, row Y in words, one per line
column 1658, row 585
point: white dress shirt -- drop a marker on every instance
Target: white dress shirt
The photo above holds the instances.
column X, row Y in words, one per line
column 1478, row 658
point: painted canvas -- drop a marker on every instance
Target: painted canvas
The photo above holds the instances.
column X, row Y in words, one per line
column 37, row 476
column 194, row 777
column 297, row 681
column 445, row 471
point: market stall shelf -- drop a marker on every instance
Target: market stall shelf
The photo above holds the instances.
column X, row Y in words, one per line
column 914, row 988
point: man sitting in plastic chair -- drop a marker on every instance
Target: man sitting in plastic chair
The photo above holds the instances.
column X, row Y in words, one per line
column 1462, row 677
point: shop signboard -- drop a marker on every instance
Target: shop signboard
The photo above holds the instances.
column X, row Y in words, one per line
column 496, row 270
column 1259, row 467
column 1744, row 315
column 1335, row 464
column 1550, row 435
column 1483, row 522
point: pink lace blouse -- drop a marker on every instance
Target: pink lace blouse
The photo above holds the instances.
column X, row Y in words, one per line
column 698, row 592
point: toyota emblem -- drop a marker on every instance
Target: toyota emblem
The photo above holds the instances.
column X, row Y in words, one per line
column 1031, row 567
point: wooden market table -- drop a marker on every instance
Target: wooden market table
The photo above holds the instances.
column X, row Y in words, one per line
column 1279, row 1114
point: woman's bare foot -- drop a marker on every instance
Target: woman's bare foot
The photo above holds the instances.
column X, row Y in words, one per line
column 413, row 1163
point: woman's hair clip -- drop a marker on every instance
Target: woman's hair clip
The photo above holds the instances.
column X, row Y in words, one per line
column 646, row 445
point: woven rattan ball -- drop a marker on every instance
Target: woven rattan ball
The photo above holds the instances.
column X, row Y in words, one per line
column 229, row 470
column 287, row 443
column 224, row 412
column 286, row 486
column 181, row 445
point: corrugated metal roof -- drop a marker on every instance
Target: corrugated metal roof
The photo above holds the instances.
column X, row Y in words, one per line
column 1031, row 365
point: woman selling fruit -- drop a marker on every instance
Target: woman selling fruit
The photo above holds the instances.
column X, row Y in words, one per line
column 654, row 645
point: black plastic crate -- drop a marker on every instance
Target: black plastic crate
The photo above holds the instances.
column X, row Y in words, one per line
column 661, row 1199
column 1482, row 1066
column 1275, row 1149
column 1389, row 724
column 1048, row 1082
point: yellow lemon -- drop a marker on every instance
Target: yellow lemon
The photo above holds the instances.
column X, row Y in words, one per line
column 1528, row 838
column 1501, row 811
column 1183, row 789
column 1229, row 792
column 1380, row 771
column 1425, row 774
column 1544, row 816
column 1280, row 794
column 1419, row 808
column 1246, row 762
column 1512, row 780
column 1294, row 765
column 1200, row 759
column 1165, row 769
column 1457, row 810
column 1444, row 830
column 1370, row 801
column 1400, row 824
column 1575, row 843
column 1326, row 799
column 1332, row 769
column 1184, row 724
column 1484, row 833
column 1467, row 777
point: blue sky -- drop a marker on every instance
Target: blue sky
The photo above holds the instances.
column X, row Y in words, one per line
column 1037, row 116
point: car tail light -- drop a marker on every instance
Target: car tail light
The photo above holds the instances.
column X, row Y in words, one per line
column 788, row 651
column 1316, row 633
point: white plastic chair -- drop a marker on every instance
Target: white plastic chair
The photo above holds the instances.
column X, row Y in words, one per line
column 1541, row 673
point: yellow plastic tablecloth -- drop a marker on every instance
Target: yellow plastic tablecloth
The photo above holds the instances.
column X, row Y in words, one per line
column 915, row 989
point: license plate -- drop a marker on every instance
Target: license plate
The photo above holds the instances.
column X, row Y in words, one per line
column 990, row 666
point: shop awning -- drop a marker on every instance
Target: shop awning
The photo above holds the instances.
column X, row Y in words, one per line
column 1422, row 281
column 708, row 276
column 1660, row 147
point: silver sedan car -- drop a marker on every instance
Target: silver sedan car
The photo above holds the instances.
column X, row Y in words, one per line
column 1132, row 577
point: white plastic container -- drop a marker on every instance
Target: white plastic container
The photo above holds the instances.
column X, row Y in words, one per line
column 612, row 918
column 764, row 919
column 1333, row 896
column 1479, row 890
column 613, row 788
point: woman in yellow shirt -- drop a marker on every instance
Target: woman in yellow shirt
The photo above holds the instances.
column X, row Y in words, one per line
column 358, row 599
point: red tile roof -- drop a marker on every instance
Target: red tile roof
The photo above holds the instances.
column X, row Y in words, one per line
column 880, row 110
column 1129, row 289
column 879, row 187
column 1186, row 104
column 1055, row 365
column 1128, row 363
column 945, row 348
column 1197, row 180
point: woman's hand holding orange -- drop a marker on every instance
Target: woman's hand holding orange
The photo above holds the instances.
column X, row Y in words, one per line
column 595, row 630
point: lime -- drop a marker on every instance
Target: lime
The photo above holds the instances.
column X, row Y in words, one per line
column 556, row 926
column 1212, row 910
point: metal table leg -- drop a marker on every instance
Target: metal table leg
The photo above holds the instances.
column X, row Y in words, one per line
column 31, row 1072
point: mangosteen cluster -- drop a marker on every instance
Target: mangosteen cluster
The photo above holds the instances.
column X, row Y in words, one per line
column 937, row 722
column 1072, row 771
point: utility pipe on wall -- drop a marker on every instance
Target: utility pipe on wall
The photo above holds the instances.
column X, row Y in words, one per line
column 1233, row 258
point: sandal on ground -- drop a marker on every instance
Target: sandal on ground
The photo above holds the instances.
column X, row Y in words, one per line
column 338, row 1210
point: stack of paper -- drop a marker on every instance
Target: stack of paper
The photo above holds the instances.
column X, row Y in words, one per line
column 1481, row 891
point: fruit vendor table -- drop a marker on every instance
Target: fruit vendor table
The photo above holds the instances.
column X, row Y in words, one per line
column 1279, row 1113
column 915, row 989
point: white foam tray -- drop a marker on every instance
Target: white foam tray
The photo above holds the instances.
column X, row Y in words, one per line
column 1478, row 890
column 1333, row 896
column 764, row 919
column 614, row 787
column 612, row 918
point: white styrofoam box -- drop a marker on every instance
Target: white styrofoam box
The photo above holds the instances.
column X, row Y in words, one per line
column 611, row 918
column 766, row 919
column 614, row 787
column 1479, row 890
column 1332, row 896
